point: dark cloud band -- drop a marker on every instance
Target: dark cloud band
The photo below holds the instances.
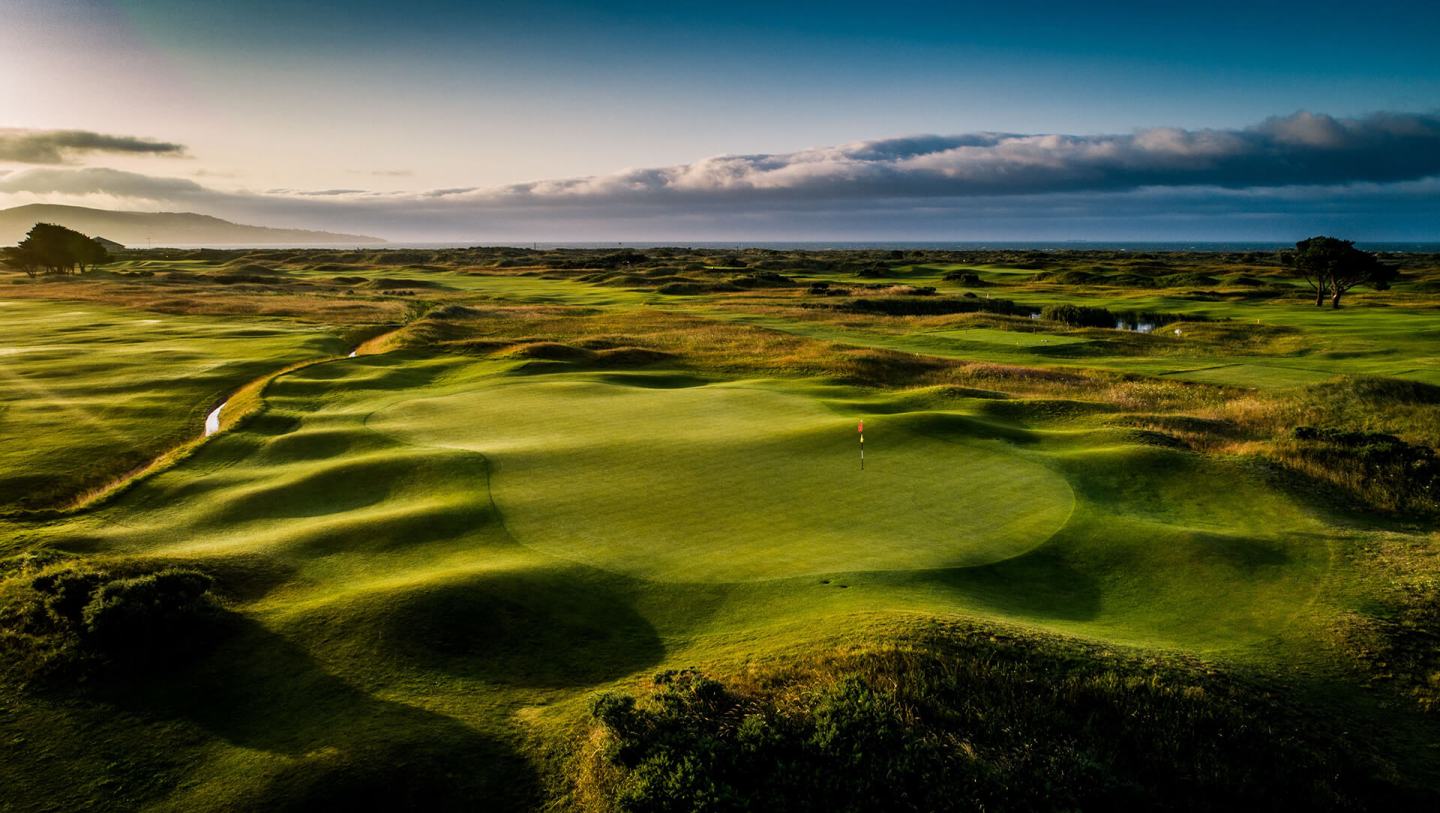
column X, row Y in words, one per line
column 57, row 146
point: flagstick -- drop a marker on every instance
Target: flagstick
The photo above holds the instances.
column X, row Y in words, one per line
column 860, row 427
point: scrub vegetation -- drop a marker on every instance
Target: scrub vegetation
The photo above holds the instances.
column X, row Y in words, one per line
column 587, row 529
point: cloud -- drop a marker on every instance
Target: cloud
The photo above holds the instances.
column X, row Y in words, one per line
column 103, row 181
column 1302, row 149
column 59, row 146
column 1286, row 172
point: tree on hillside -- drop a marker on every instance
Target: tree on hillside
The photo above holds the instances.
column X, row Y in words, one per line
column 1332, row 266
column 55, row 250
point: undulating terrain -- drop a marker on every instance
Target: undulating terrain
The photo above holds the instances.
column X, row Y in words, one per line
column 1131, row 529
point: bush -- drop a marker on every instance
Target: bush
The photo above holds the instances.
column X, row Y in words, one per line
column 1078, row 315
column 970, row 279
column 73, row 619
column 63, row 596
column 141, row 616
column 989, row 726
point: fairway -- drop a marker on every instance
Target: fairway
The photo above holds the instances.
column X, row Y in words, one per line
column 87, row 392
column 734, row 482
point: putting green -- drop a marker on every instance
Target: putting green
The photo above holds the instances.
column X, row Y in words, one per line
column 733, row 482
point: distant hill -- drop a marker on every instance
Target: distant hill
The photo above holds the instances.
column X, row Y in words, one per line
column 139, row 229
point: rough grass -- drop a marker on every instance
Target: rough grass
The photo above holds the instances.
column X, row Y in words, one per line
column 964, row 719
column 528, row 489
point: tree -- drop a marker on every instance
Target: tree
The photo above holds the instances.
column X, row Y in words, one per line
column 1309, row 261
column 86, row 252
column 1361, row 268
column 23, row 259
column 1333, row 266
column 56, row 249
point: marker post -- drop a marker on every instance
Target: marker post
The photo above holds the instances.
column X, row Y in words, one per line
column 862, row 444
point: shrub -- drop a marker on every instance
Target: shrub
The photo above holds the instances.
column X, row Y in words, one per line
column 63, row 596
column 74, row 619
column 145, row 615
column 987, row 726
column 969, row 279
column 1078, row 315
column 762, row 279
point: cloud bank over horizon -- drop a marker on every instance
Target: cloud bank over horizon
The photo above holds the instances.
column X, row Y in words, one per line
column 1363, row 172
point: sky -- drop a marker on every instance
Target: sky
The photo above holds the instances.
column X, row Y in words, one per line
column 642, row 121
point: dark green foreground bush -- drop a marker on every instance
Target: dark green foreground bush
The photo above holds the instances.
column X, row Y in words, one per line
column 75, row 620
column 991, row 728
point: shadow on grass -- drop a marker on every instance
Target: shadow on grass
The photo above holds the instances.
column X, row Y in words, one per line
column 1040, row 584
column 349, row 751
column 543, row 628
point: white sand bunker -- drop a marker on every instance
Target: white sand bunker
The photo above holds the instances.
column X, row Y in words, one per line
column 212, row 421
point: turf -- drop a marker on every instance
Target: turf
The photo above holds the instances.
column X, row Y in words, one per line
column 529, row 490
column 90, row 391
column 752, row 479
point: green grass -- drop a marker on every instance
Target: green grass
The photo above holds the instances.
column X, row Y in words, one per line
column 754, row 479
column 416, row 531
column 88, row 392
column 435, row 556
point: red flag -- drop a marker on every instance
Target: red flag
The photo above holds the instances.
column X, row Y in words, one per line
column 862, row 427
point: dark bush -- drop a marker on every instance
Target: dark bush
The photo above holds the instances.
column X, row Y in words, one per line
column 73, row 619
column 63, row 596
column 763, row 279
column 970, row 279
column 870, row 270
column 139, row 616
column 977, row 731
column 992, row 728
column 1078, row 315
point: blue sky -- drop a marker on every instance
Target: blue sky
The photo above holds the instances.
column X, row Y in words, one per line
column 273, row 102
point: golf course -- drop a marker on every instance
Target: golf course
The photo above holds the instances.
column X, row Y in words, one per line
column 592, row 529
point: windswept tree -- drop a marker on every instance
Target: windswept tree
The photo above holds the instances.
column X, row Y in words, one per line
column 23, row 259
column 86, row 252
column 1332, row 266
column 55, row 249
